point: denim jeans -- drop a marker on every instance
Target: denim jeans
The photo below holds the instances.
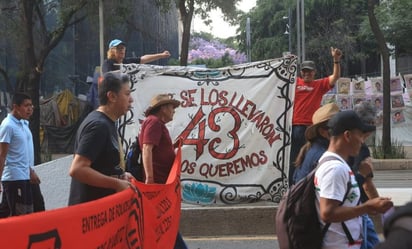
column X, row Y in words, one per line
column 298, row 140
column 370, row 237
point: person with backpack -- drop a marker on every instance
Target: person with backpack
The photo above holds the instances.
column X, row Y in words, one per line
column 317, row 137
column 338, row 201
column 317, row 141
column 157, row 146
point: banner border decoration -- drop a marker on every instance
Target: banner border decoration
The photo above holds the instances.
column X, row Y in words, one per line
column 285, row 70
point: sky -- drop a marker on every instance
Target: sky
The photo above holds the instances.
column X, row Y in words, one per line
column 218, row 27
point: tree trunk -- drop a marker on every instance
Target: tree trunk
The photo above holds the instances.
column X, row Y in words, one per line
column 9, row 87
column 30, row 84
column 186, row 16
column 383, row 49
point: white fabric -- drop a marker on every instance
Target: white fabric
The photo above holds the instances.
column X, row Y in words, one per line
column 235, row 122
column 331, row 180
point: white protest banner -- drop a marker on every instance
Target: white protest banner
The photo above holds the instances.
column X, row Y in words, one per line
column 235, row 123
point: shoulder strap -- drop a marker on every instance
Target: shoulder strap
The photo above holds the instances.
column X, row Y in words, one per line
column 326, row 159
column 348, row 188
column 345, row 228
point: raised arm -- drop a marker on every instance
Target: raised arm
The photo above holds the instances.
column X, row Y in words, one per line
column 336, row 55
column 152, row 57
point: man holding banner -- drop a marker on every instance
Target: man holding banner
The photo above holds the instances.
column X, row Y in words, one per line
column 95, row 169
column 117, row 55
column 308, row 95
column 157, row 147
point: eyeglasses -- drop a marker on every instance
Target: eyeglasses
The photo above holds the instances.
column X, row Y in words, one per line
column 121, row 48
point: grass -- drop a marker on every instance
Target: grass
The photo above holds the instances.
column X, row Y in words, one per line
column 397, row 151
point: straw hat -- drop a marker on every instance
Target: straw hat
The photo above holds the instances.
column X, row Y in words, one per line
column 159, row 100
column 321, row 116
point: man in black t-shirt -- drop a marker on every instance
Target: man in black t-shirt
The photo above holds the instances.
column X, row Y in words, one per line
column 95, row 170
column 117, row 55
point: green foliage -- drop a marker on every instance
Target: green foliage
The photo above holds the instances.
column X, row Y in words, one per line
column 204, row 35
column 214, row 63
column 267, row 29
column 395, row 22
column 173, row 62
column 397, row 151
column 338, row 23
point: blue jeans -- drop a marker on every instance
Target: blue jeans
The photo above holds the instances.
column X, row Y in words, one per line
column 370, row 237
column 298, row 140
column 180, row 243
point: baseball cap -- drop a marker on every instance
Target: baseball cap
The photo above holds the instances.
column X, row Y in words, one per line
column 308, row 65
column 346, row 121
column 115, row 43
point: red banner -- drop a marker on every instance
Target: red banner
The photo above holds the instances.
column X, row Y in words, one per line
column 147, row 217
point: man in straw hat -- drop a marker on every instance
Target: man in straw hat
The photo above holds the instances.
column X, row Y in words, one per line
column 308, row 96
column 337, row 192
column 157, row 146
column 317, row 137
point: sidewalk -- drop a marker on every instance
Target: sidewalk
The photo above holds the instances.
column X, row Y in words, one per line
column 258, row 219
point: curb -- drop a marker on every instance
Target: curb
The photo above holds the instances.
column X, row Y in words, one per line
column 241, row 221
column 392, row 164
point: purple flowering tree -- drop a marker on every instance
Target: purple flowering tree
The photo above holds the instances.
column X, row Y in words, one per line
column 206, row 52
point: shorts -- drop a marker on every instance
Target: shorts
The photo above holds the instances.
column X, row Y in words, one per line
column 17, row 198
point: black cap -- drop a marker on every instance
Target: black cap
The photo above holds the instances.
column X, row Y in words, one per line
column 346, row 121
column 308, row 65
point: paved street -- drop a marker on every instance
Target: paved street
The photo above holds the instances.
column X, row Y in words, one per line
column 393, row 178
column 394, row 183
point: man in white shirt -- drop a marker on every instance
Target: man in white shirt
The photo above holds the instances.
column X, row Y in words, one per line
column 332, row 180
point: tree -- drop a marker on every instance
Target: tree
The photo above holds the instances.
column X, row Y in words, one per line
column 394, row 15
column 189, row 8
column 383, row 48
column 33, row 41
column 205, row 49
column 267, row 29
column 327, row 24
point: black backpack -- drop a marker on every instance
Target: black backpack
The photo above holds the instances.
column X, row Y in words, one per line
column 297, row 222
column 134, row 161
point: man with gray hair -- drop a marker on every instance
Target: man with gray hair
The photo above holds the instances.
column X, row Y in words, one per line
column 362, row 167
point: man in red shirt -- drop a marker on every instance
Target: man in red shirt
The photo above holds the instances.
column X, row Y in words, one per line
column 308, row 95
column 157, row 146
